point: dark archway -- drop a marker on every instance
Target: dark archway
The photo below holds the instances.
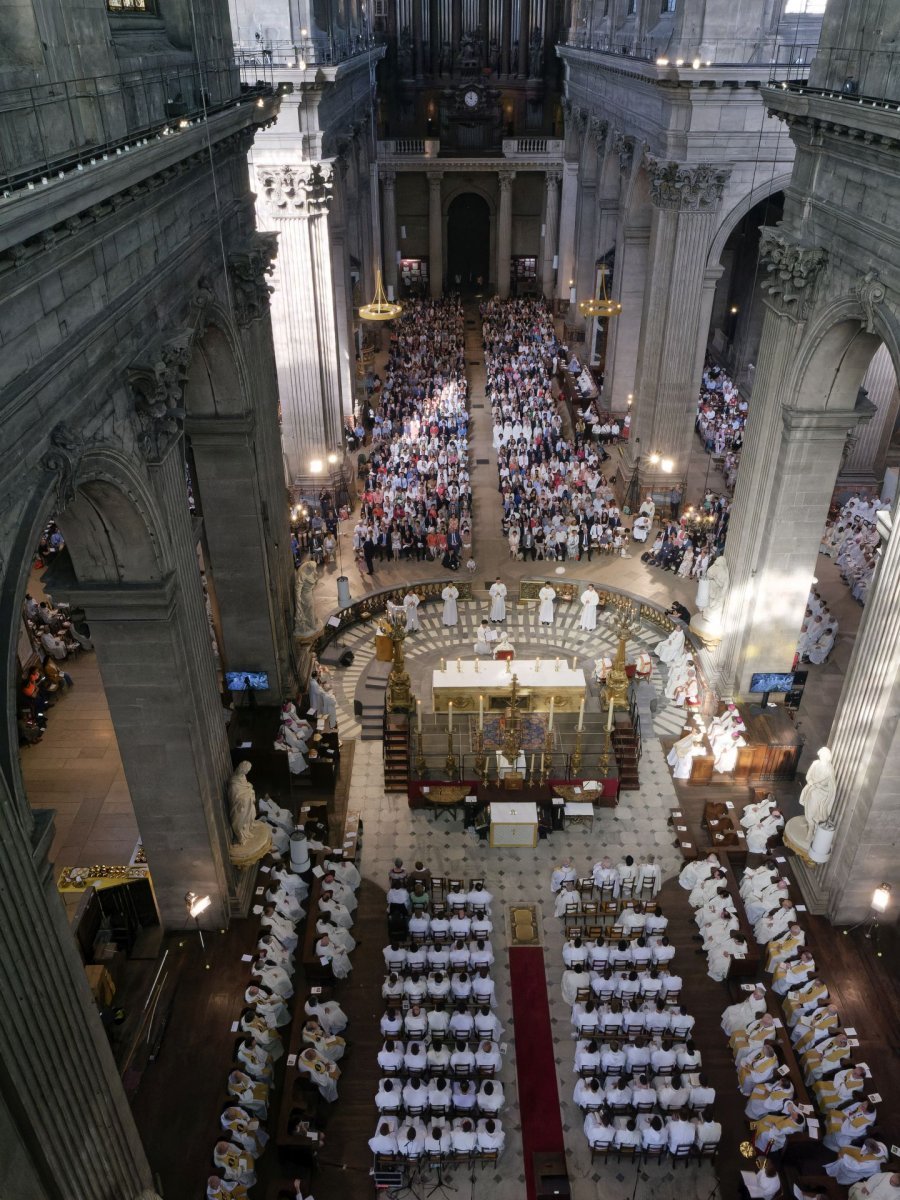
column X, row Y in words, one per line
column 468, row 242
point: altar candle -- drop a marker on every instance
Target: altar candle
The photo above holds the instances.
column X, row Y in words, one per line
column 450, row 716
column 609, row 717
column 481, row 712
column 532, row 766
column 419, row 714
column 542, row 764
column 459, row 665
column 443, row 665
column 574, row 664
column 537, row 666
column 581, row 715
column 552, row 703
column 557, row 664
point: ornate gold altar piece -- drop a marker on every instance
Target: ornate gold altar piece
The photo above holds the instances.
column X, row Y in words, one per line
column 451, row 763
column 512, row 730
column 626, row 622
column 576, row 753
column 399, row 687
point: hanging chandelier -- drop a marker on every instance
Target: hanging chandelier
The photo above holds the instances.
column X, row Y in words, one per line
column 600, row 306
column 381, row 309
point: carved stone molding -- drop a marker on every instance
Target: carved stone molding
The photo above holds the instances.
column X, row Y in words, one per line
column 792, row 270
column 249, row 269
column 597, row 131
column 297, row 191
column 388, row 176
column 552, row 179
column 870, row 292
column 62, row 459
column 506, row 179
column 691, row 189
column 158, row 397
column 624, row 147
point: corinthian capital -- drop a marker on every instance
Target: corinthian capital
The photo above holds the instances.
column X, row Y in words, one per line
column 158, row 389
column 248, row 269
column 297, row 191
column 624, row 147
column 792, row 270
column 694, row 188
column 597, row 131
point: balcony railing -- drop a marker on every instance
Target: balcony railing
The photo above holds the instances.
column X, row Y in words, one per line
column 778, row 56
column 321, row 50
column 56, row 127
column 533, row 147
column 409, row 147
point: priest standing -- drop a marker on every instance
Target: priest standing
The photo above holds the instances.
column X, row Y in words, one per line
column 498, row 601
column 589, row 603
column 449, row 595
column 547, row 595
column 411, row 604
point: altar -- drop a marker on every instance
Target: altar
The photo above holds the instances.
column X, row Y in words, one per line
column 514, row 823
column 462, row 681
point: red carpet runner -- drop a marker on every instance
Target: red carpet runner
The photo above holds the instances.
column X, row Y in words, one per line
column 535, row 1065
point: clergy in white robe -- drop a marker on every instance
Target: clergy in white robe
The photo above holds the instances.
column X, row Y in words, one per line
column 273, row 977
column 485, row 639
column 681, row 757
column 323, row 702
column 329, row 953
column 855, row 1163
column 450, row 595
column 323, row 1073
column 547, row 597
column 270, row 1006
column 755, row 812
column 498, row 600
column 885, row 1185
column 695, row 872
column 759, row 835
column 328, row 1013
column 342, row 938
column 411, row 604
column 562, row 874
column 672, row 647
column 275, row 814
column 345, row 871
column 767, row 929
column 589, row 602
column 738, row 1016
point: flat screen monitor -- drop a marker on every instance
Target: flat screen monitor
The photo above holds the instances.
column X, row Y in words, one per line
column 246, row 681
column 772, row 681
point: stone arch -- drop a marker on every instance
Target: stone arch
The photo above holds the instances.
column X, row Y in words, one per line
column 458, row 186
column 733, row 217
column 837, row 350
column 215, row 384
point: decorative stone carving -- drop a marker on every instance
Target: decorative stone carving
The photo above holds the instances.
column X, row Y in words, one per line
column 552, row 180
column 792, row 269
column 248, row 269
column 62, row 459
column 597, row 131
column 624, row 147
column 301, row 191
column 506, row 179
column 305, row 627
column 159, row 391
column 811, row 836
column 693, row 188
column 870, row 292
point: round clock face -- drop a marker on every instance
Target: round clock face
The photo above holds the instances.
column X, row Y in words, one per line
column 471, row 99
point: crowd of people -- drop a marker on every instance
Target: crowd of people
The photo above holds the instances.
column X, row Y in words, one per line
column 721, row 418
column 54, row 637
column 818, row 632
column 417, row 501
column 689, row 544
column 682, row 682
column 439, row 1098
column 640, row 1082
column 820, row 1045
column 557, row 504
column 851, row 538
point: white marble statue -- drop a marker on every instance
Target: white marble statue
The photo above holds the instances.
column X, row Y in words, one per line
column 304, row 606
column 252, row 838
column 712, row 591
column 817, row 797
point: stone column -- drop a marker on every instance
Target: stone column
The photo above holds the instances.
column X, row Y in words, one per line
column 623, row 332
column 485, row 27
column 866, row 455
column 685, row 201
column 551, row 229
column 505, row 36
column 566, row 244
column 52, row 1044
column 236, row 521
column 389, row 228
column 417, row 37
column 434, row 38
column 435, row 234
column 504, row 232
column 311, row 382
column 586, row 244
column 865, row 744
column 455, row 31
column 524, row 35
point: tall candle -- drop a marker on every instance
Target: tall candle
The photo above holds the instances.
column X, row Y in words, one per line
column 532, row 766
column 552, row 703
column 574, row 664
column 557, row 664
column 419, row 714
column 459, row 664
column 537, row 666
column 450, row 716
column 609, row 717
column 581, row 715
column 481, row 712
column 443, row 664
column 542, row 764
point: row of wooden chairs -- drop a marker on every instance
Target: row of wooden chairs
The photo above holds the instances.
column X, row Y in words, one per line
column 658, row 1154
column 588, row 890
column 604, row 995
column 386, row 1163
column 645, row 1106
column 438, row 1110
column 456, row 1072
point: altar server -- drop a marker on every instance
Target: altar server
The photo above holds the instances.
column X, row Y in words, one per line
column 547, row 597
column 449, row 595
column 589, row 603
column 498, row 600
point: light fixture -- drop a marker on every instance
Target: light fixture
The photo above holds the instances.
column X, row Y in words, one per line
column 332, row 458
column 195, row 906
column 630, row 399
column 734, row 309
column 696, row 64
column 667, row 465
column 600, row 306
column 662, row 62
column 380, row 309
column 881, row 897
column 679, row 62
column 653, row 459
column 316, row 466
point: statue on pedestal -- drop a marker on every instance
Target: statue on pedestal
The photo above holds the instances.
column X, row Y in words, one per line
column 812, row 834
column 307, row 577
column 252, row 838
column 711, row 593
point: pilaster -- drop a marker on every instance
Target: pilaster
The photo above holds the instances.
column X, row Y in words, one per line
column 389, row 228
column 551, row 228
column 567, row 215
column 504, row 232
column 435, row 234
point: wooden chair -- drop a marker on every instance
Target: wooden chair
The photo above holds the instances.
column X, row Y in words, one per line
column 683, row 1153
column 629, row 1152
column 437, row 887
column 590, row 911
column 586, row 888
column 707, row 1150
column 583, row 994
column 595, row 931
column 603, row 1148
column 487, row 1157
column 654, row 1152
column 607, row 894
column 610, row 910
column 572, row 931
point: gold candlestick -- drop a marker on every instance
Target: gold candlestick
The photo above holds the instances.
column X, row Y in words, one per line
column 603, row 763
column 547, row 757
column 450, row 763
column 480, row 756
column 576, row 756
column 421, row 766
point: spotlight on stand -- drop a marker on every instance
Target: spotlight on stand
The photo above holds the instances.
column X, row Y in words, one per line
column 881, row 898
column 196, row 906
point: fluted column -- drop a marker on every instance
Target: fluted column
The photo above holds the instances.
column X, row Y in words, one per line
column 455, row 31
column 67, row 1128
column 524, row 35
column 566, row 221
column 417, row 37
column 435, row 234
column 551, row 232
column 504, row 232
column 505, row 36
column 865, row 745
column 389, row 228
column 686, row 201
column 586, row 233
column 434, row 38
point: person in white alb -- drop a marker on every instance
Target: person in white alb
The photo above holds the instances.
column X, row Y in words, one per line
column 547, row 597
column 589, row 602
column 498, row 600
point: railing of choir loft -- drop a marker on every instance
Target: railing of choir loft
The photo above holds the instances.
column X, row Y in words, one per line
column 56, row 127
column 318, row 50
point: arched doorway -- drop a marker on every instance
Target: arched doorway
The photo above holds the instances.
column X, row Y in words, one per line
column 468, row 242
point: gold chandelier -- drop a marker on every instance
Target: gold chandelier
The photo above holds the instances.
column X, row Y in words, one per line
column 600, row 306
column 381, row 309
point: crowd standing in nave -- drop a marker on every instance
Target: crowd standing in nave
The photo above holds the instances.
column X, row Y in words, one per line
column 417, row 501
column 851, row 538
column 557, row 504
column 721, row 418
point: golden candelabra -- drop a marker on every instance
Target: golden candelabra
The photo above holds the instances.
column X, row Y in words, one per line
column 421, row 766
column 547, row 756
column 451, row 763
column 399, row 687
column 480, row 757
column 512, row 731
column 626, row 622
column 603, row 762
column 576, row 755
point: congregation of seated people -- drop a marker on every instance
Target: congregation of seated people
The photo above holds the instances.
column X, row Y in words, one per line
column 640, row 1081
column 439, row 1099
column 417, row 500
